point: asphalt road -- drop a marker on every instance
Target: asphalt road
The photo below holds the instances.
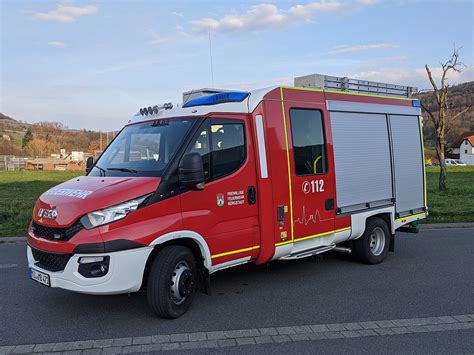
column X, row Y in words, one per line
column 430, row 274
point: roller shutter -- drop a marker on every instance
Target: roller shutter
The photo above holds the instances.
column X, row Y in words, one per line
column 362, row 158
column 408, row 162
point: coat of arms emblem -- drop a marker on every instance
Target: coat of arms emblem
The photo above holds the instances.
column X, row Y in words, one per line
column 220, row 200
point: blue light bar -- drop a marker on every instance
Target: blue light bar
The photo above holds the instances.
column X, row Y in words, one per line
column 220, row 98
column 416, row 103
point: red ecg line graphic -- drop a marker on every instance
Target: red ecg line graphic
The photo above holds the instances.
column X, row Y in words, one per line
column 315, row 218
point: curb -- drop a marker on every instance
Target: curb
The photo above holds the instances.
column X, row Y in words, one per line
column 446, row 225
column 4, row 240
column 219, row 340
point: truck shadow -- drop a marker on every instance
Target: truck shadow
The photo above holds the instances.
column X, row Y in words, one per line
column 232, row 288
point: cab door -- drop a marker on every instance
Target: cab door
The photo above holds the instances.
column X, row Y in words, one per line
column 311, row 167
column 225, row 212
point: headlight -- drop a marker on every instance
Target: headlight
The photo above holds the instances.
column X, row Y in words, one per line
column 111, row 214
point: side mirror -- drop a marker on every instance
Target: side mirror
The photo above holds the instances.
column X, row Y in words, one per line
column 89, row 164
column 191, row 171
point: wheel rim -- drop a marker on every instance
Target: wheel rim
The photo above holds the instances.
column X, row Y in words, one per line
column 182, row 283
column 377, row 241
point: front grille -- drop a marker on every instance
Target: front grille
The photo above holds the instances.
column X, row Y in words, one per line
column 56, row 233
column 49, row 261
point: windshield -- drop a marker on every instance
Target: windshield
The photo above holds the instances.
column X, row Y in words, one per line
column 143, row 149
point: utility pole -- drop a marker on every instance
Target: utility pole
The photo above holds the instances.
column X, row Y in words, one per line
column 100, row 144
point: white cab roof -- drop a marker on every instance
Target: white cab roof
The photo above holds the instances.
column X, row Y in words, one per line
column 246, row 106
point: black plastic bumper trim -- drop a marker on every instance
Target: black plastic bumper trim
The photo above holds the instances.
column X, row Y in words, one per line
column 107, row 247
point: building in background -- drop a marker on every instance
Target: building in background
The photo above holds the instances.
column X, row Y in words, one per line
column 75, row 160
column 463, row 148
column 54, row 164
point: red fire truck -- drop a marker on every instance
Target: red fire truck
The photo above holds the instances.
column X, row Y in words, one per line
column 233, row 177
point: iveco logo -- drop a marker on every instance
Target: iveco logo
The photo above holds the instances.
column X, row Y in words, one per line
column 49, row 214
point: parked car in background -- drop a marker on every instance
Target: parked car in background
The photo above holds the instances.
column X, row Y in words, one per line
column 454, row 162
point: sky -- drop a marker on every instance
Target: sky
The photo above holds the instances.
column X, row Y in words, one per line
column 93, row 64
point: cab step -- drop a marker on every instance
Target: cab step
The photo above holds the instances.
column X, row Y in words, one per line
column 309, row 252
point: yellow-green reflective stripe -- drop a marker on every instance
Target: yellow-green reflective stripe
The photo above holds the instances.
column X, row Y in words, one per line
column 423, row 159
column 347, row 93
column 412, row 216
column 313, row 236
column 288, row 162
column 234, row 252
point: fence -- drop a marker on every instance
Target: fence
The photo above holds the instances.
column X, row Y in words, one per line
column 11, row 163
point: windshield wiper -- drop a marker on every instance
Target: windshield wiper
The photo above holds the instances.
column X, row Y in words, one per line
column 102, row 170
column 125, row 170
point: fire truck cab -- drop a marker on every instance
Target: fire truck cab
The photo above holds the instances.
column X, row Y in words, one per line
column 233, row 177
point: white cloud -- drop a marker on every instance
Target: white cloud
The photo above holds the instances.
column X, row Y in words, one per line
column 57, row 44
column 264, row 16
column 413, row 76
column 256, row 84
column 360, row 48
column 65, row 13
column 157, row 39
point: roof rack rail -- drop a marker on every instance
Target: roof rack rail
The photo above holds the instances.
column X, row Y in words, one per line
column 327, row 82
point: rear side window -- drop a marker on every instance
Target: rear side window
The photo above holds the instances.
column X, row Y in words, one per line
column 222, row 147
column 309, row 143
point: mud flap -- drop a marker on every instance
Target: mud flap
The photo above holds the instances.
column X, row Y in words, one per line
column 204, row 281
column 392, row 243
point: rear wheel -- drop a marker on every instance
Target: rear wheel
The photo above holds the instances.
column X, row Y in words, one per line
column 172, row 282
column 372, row 247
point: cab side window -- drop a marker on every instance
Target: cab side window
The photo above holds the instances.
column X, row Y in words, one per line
column 222, row 148
column 228, row 148
column 309, row 143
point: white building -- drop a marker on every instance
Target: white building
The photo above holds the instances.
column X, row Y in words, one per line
column 465, row 148
column 77, row 156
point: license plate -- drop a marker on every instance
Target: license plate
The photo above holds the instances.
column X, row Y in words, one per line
column 40, row 277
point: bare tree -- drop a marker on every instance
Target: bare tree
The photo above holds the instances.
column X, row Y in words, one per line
column 441, row 119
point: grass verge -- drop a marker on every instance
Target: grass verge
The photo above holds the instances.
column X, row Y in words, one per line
column 19, row 191
column 457, row 203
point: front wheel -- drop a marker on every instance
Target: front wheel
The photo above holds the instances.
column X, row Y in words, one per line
column 172, row 282
column 372, row 247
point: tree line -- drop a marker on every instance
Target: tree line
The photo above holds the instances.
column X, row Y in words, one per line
column 45, row 138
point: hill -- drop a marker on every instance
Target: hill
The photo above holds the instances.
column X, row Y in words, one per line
column 51, row 136
column 6, row 118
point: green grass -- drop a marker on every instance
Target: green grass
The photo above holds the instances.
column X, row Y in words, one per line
column 19, row 191
column 457, row 203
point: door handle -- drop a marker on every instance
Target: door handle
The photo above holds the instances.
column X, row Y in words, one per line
column 252, row 195
column 329, row 204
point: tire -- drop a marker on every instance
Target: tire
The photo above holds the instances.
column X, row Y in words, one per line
column 172, row 282
column 372, row 247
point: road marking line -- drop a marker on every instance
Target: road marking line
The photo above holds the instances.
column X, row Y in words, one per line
column 239, row 337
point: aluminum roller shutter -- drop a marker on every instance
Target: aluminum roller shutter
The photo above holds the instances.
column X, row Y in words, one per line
column 362, row 158
column 408, row 163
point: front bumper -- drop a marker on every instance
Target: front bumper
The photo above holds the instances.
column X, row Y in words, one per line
column 125, row 273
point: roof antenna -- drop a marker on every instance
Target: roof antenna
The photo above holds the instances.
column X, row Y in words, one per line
column 210, row 57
